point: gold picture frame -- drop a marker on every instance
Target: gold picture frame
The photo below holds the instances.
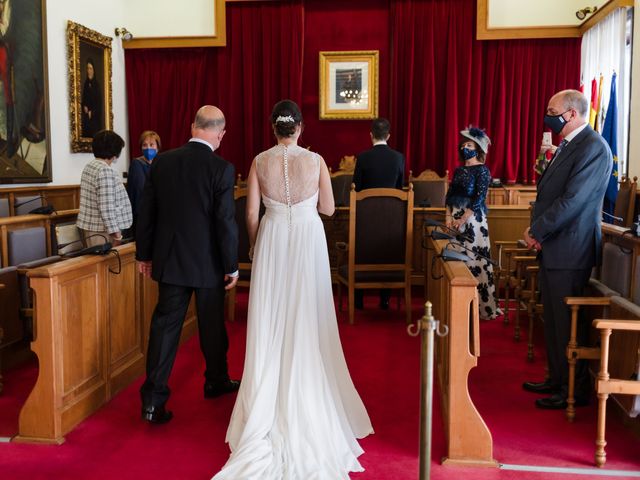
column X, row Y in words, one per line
column 349, row 85
column 90, row 91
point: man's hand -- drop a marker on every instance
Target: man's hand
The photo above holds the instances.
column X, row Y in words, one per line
column 532, row 243
column 144, row 267
column 230, row 282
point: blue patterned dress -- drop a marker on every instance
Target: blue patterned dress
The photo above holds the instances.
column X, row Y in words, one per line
column 468, row 190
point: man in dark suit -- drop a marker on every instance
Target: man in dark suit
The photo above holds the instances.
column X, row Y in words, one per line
column 566, row 231
column 378, row 167
column 187, row 240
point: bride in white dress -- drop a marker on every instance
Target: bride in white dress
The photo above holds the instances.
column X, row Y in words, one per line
column 298, row 414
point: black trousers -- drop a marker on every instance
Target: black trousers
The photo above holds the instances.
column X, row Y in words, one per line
column 164, row 337
column 385, row 295
column 555, row 285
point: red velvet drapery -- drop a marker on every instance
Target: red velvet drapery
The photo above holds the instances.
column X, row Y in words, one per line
column 435, row 79
column 443, row 79
column 261, row 64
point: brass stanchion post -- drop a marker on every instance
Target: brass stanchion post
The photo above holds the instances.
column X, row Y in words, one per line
column 426, row 327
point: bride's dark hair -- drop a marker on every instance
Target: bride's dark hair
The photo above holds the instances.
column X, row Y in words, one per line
column 285, row 117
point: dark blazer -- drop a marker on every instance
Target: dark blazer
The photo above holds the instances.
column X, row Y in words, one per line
column 138, row 173
column 567, row 214
column 186, row 219
column 379, row 167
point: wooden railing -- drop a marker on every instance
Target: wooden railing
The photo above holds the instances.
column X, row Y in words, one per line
column 452, row 289
column 60, row 197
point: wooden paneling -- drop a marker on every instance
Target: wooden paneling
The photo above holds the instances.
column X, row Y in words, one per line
column 511, row 195
column 507, row 223
column 91, row 325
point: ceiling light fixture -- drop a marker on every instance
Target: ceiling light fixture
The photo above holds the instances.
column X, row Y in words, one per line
column 582, row 14
column 124, row 33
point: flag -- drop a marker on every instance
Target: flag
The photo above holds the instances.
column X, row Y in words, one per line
column 597, row 125
column 594, row 102
column 610, row 134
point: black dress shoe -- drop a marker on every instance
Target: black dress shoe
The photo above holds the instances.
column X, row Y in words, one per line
column 554, row 402
column 212, row 390
column 540, row 387
column 153, row 414
column 384, row 304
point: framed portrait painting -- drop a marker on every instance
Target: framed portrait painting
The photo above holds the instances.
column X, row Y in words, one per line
column 349, row 85
column 25, row 149
column 89, row 69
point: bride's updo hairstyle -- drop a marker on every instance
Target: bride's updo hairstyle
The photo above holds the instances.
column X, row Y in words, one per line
column 285, row 117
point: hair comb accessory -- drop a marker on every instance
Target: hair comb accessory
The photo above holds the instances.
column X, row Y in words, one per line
column 285, row 119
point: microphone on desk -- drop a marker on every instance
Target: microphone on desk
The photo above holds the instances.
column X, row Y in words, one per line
column 429, row 222
column 42, row 210
column 448, row 255
column 620, row 219
column 436, row 235
column 94, row 250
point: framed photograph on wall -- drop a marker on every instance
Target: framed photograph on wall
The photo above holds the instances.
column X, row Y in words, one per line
column 349, row 85
column 25, row 149
column 89, row 69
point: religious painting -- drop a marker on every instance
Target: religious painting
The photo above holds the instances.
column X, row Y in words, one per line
column 25, row 150
column 349, row 85
column 89, row 69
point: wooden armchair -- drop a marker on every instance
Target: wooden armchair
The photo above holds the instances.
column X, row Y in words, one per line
column 379, row 251
column 341, row 185
column 614, row 281
column 626, row 202
column 507, row 268
column 535, row 307
column 244, row 262
column 429, row 190
column 619, row 366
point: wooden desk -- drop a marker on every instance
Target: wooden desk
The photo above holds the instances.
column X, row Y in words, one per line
column 91, row 330
column 453, row 293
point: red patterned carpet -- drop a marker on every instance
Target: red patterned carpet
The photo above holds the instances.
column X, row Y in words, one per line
column 384, row 361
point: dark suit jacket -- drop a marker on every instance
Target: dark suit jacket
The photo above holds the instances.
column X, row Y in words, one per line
column 379, row 167
column 186, row 219
column 567, row 211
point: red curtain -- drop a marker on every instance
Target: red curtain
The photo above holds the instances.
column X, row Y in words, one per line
column 261, row 64
column 443, row 79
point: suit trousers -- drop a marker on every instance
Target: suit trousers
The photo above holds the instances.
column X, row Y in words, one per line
column 555, row 285
column 164, row 337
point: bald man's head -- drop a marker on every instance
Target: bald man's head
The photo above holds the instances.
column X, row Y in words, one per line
column 209, row 125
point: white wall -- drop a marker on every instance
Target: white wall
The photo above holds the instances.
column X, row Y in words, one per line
column 634, row 124
column 103, row 17
column 155, row 18
column 510, row 13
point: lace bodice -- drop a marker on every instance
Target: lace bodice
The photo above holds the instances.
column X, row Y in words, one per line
column 288, row 182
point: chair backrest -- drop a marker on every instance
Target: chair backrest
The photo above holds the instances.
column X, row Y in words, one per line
column 24, row 205
column 26, row 245
column 341, row 186
column 429, row 175
column 66, row 233
column 381, row 227
column 4, row 207
column 626, row 202
column 429, row 193
column 615, row 272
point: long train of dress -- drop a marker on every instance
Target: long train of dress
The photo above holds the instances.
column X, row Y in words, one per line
column 298, row 413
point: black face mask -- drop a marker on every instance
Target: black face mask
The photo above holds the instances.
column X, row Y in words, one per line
column 555, row 122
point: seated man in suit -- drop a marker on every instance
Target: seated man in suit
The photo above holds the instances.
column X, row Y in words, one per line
column 378, row 167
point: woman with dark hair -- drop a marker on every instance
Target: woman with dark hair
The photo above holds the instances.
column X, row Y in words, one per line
column 298, row 414
column 105, row 210
column 467, row 212
column 91, row 102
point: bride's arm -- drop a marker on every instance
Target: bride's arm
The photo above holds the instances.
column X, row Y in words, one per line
column 326, row 204
column 253, row 206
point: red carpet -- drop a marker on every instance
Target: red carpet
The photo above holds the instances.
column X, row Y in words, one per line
column 384, row 362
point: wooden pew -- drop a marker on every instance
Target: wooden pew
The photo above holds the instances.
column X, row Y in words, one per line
column 60, row 197
column 452, row 290
column 91, row 328
column 8, row 224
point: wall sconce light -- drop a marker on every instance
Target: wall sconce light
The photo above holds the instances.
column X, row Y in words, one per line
column 582, row 14
column 124, row 33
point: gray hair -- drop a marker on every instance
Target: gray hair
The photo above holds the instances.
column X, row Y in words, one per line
column 574, row 99
column 204, row 122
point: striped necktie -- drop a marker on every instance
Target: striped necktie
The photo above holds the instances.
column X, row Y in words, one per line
column 563, row 144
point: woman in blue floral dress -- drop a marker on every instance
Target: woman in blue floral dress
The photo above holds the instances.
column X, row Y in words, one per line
column 467, row 213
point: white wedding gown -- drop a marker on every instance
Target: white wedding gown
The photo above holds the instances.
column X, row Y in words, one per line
column 298, row 414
